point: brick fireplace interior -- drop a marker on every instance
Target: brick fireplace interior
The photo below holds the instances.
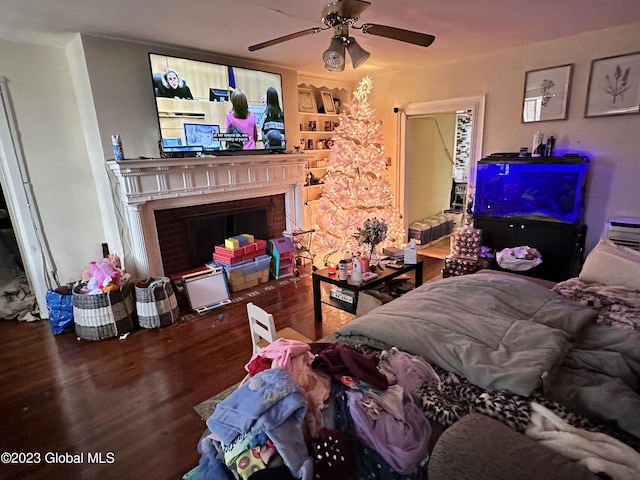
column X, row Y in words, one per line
column 188, row 235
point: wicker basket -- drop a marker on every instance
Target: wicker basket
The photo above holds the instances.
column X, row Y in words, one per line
column 103, row 315
column 156, row 303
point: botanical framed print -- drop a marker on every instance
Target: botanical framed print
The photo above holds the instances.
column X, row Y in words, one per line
column 327, row 101
column 306, row 101
column 614, row 86
column 546, row 94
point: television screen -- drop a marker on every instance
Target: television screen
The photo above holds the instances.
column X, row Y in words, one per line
column 216, row 108
column 203, row 135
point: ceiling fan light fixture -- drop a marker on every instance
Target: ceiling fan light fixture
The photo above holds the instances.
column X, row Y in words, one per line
column 358, row 54
column 334, row 55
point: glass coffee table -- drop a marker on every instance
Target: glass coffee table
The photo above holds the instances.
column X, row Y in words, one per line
column 349, row 301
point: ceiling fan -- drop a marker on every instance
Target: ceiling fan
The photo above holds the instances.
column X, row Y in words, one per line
column 341, row 15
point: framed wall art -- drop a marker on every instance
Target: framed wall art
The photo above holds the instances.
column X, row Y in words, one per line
column 546, row 94
column 614, row 86
column 306, row 101
column 327, row 102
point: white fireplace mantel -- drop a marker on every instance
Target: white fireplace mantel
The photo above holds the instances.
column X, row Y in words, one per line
column 147, row 185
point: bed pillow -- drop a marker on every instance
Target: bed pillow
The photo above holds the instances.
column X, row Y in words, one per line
column 613, row 265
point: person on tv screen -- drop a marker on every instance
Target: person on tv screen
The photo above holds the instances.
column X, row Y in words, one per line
column 263, row 102
column 241, row 118
column 273, row 124
column 234, row 144
column 173, row 86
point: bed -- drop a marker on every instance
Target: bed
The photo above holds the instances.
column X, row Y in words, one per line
column 504, row 345
column 558, row 366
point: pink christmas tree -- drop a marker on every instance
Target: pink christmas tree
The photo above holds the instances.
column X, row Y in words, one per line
column 356, row 187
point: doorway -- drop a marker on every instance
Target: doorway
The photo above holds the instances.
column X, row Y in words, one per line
column 427, row 150
column 21, row 205
column 17, row 301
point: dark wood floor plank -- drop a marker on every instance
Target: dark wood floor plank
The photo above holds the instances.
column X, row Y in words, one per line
column 133, row 397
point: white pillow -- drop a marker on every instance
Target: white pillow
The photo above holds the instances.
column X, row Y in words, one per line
column 613, row 265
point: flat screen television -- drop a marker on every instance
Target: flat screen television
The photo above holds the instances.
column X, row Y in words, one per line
column 194, row 101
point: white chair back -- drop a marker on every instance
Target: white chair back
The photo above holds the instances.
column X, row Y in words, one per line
column 261, row 325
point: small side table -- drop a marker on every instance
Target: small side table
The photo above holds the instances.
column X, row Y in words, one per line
column 385, row 274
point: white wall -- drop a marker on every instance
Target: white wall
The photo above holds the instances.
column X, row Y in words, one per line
column 429, row 169
column 612, row 143
column 55, row 152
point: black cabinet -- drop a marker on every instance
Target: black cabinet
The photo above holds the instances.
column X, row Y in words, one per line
column 560, row 244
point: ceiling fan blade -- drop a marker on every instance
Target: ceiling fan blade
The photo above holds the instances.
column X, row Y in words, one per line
column 352, row 8
column 422, row 39
column 291, row 36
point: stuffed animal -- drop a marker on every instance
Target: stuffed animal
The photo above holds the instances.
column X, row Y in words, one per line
column 104, row 275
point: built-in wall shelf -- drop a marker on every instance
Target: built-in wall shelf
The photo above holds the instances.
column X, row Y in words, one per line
column 327, row 115
column 318, row 127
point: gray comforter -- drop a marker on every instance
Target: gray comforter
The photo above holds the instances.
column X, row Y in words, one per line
column 506, row 332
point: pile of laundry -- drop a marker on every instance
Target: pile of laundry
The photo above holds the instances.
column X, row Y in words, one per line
column 320, row 410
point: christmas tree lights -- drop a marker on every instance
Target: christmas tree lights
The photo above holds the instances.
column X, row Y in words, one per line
column 356, row 187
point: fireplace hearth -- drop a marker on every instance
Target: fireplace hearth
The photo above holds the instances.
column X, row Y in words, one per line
column 153, row 191
column 187, row 235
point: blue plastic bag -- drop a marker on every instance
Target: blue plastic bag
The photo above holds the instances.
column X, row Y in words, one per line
column 60, row 305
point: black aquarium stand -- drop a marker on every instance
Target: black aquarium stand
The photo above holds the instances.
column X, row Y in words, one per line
column 560, row 244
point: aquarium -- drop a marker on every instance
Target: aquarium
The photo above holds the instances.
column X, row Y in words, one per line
column 540, row 188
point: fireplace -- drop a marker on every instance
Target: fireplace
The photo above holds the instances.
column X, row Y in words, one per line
column 187, row 235
column 163, row 199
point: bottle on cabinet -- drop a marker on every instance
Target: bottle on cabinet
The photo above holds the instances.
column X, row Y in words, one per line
column 356, row 272
column 551, row 141
column 538, row 147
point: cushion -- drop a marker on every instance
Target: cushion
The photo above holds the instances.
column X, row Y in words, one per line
column 613, row 265
column 480, row 448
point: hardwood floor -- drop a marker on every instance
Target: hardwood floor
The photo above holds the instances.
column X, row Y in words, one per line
column 437, row 249
column 131, row 401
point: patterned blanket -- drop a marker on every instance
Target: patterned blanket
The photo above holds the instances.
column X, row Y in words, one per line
column 616, row 306
column 456, row 397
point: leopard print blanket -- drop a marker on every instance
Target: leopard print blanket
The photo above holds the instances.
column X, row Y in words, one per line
column 617, row 307
column 454, row 397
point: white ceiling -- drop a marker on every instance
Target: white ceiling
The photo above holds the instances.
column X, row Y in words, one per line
column 462, row 28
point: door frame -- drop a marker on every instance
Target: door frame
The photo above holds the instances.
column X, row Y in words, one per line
column 475, row 104
column 23, row 209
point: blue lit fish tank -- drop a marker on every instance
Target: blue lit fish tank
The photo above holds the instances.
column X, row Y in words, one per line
column 547, row 188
